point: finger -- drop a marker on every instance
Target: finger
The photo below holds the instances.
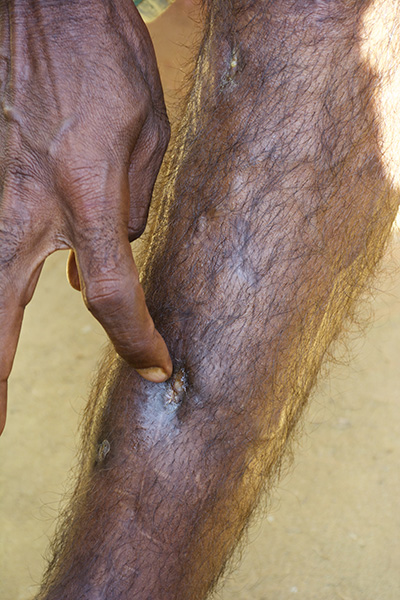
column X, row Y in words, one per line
column 112, row 292
column 72, row 272
column 145, row 163
column 13, row 299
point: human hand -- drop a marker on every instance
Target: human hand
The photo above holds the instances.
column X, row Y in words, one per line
column 83, row 131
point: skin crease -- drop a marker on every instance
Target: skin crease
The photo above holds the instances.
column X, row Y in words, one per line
column 275, row 206
column 78, row 163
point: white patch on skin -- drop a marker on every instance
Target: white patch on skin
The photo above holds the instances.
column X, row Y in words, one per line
column 244, row 274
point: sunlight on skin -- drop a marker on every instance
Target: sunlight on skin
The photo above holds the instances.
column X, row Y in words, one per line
column 381, row 48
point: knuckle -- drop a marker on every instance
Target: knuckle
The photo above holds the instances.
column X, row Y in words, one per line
column 104, row 295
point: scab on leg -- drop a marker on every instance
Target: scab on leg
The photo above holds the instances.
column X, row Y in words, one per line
column 102, row 450
column 176, row 388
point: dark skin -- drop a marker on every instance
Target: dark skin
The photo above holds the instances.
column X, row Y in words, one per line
column 78, row 162
column 275, row 206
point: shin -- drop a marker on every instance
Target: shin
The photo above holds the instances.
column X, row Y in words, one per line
column 275, row 206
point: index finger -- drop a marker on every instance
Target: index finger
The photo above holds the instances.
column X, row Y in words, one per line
column 112, row 292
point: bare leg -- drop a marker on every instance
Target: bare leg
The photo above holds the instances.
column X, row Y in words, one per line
column 275, row 210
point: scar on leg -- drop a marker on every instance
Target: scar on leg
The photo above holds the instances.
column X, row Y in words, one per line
column 177, row 388
column 102, row 450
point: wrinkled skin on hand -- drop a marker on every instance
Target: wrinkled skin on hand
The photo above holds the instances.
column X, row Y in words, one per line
column 83, row 130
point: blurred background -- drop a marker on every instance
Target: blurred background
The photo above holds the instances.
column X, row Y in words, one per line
column 331, row 531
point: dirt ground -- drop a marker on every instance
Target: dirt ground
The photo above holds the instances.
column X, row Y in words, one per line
column 332, row 529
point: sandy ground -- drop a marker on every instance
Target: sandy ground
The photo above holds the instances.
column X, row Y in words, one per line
column 332, row 529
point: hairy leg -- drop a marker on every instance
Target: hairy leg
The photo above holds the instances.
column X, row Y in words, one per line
column 274, row 210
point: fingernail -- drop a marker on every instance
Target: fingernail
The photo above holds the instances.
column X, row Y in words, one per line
column 155, row 374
